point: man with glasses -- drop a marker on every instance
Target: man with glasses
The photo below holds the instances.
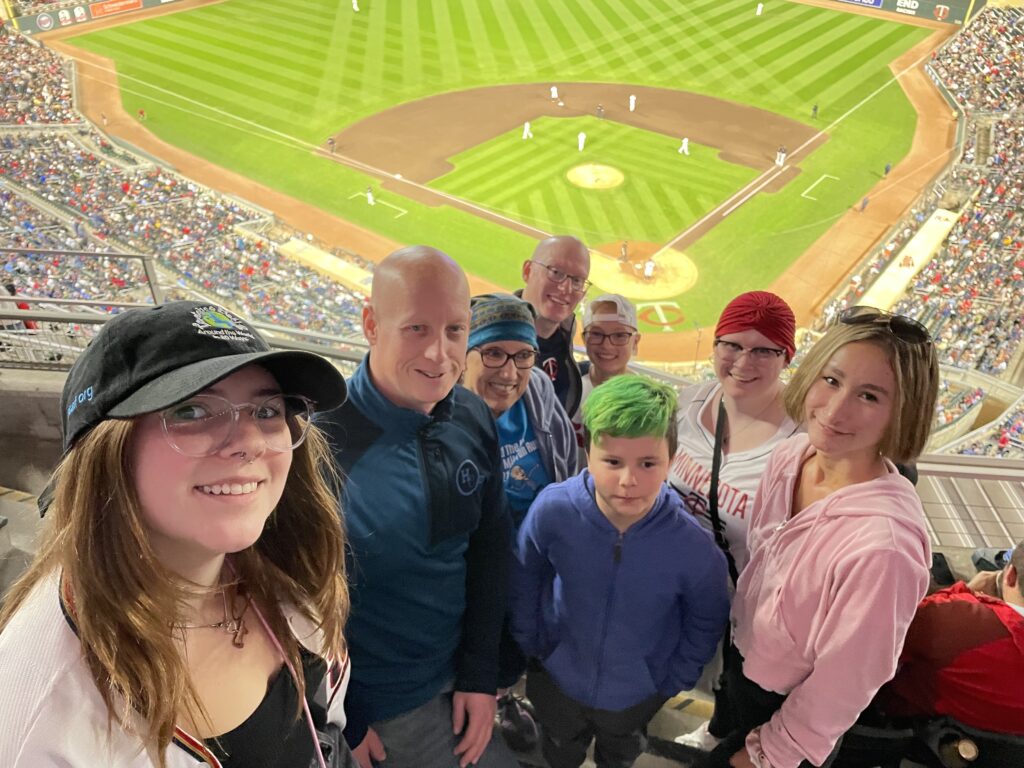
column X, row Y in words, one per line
column 610, row 334
column 428, row 527
column 964, row 654
column 556, row 281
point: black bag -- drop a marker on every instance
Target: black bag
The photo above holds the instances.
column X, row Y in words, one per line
column 334, row 748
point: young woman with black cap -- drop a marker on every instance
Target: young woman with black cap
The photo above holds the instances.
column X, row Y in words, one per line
column 187, row 602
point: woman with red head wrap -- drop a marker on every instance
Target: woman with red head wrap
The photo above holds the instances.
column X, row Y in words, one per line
column 754, row 341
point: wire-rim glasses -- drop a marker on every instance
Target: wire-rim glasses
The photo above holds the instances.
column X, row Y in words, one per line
column 204, row 424
column 730, row 350
column 557, row 276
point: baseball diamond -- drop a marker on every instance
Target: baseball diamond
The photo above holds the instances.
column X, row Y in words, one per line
column 427, row 101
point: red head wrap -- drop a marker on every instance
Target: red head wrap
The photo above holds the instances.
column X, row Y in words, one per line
column 763, row 312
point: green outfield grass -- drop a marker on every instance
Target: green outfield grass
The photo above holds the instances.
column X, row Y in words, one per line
column 661, row 192
column 254, row 85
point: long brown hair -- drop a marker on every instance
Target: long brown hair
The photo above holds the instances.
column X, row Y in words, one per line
column 125, row 600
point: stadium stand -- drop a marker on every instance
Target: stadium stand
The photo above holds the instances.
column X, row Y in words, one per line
column 34, row 87
column 1004, row 440
column 70, row 188
column 981, row 66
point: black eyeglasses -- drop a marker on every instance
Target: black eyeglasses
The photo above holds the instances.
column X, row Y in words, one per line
column 618, row 339
column 492, row 357
column 904, row 328
column 557, row 276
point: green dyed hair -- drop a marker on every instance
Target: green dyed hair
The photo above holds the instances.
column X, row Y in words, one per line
column 631, row 406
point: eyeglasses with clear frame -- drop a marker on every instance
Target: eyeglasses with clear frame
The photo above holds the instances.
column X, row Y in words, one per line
column 618, row 339
column 729, row 351
column 202, row 425
column 492, row 357
column 557, row 276
column 904, row 328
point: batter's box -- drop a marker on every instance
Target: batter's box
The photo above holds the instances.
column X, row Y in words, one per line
column 816, row 183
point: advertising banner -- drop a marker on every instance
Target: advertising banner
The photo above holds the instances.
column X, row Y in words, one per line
column 73, row 14
column 110, row 7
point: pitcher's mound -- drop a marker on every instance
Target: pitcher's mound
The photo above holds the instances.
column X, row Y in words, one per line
column 674, row 273
column 595, row 176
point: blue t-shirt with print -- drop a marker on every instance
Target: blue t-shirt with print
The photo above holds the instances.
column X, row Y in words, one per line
column 522, row 470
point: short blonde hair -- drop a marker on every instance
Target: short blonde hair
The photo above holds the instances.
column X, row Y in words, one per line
column 915, row 367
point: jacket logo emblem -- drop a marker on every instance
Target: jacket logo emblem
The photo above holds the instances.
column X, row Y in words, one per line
column 467, row 478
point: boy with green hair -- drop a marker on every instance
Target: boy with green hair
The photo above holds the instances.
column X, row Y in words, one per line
column 618, row 595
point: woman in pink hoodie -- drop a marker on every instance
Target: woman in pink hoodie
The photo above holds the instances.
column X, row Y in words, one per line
column 839, row 554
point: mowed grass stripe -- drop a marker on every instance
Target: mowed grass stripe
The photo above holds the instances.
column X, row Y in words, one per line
column 839, row 81
column 151, row 50
column 233, row 92
column 269, row 58
column 505, row 19
column 488, row 46
column 376, row 41
column 717, row 60
column 823, row 72
column 436, row 22
column 226, row 16
column 713, row 57
column 824, row 51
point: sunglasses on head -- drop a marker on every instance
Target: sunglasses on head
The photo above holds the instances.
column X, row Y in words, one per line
column 904, row 328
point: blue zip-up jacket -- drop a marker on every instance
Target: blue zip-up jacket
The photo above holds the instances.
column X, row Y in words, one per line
column 616, row 617
column 429, row 534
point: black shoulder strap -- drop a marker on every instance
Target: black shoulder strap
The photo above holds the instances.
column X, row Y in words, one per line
column 716, row 466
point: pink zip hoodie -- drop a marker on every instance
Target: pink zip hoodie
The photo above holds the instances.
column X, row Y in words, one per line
column 824, row 604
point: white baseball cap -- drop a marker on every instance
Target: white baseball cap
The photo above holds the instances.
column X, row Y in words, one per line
column 624, row 313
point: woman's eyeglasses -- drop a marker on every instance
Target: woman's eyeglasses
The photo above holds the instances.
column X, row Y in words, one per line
column 904, row 328
column 204, row 424
column 729, row 351
column 492, row 357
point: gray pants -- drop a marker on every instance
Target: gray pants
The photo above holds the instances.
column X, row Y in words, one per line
column 423, row 738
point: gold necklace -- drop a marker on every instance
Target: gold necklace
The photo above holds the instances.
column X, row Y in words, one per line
column 232, row 624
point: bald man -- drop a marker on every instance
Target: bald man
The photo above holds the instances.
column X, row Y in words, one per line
column 428, row 528
column 556, row 279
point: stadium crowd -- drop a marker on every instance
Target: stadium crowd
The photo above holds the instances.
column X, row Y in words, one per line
column 981, row 67
column 954, row 404
column 34, row 87
column 971, row 294
column 1003, row 440
column 193, row 231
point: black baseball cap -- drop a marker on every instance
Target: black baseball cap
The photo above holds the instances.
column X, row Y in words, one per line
column 144, row 360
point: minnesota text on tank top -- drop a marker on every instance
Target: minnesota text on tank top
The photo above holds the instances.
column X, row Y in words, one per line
column 690, row 473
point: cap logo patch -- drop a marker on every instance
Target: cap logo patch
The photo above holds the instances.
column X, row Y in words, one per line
column 82, row 397
column 218, row 323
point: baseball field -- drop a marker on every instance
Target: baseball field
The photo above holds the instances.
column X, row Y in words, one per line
column 425, row 103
